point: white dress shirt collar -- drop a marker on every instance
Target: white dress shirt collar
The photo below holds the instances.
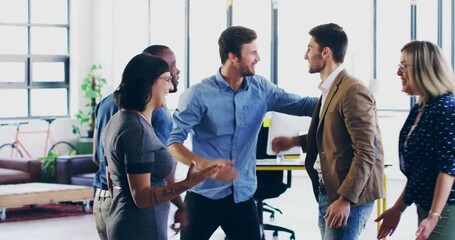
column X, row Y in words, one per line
column 325, row 85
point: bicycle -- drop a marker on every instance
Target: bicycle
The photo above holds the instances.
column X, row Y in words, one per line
column 18, row 149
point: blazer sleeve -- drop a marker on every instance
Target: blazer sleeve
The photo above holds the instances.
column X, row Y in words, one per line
column 359, row 110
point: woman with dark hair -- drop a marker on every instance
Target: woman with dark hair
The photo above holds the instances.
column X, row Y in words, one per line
column 137, row 161
column 426, row 144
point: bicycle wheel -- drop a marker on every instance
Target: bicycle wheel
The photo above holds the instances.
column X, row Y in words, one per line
column 8, row 149
column 62, row 148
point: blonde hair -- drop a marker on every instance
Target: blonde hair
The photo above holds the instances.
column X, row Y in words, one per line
column 429, row 74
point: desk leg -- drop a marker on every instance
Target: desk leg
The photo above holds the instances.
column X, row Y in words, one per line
column 382, row 203
column 86, row 206
column 2, row 213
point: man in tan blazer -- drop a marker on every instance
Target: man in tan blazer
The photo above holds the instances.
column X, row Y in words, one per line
column 344, row 148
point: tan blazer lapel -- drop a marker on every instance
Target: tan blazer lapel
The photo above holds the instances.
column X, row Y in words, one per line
column 333, row 90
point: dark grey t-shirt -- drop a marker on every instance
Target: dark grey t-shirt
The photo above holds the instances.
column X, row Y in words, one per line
column 132, row 147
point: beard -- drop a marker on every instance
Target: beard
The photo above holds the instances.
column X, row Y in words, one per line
column 175, row 83
column 245, row 71
column 316, row 66
column 174, row 89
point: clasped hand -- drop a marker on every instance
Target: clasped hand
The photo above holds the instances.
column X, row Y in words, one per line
column 195, row 176
column 280, row 144
column 226, row 173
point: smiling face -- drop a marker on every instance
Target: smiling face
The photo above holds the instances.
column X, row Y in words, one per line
column 403, row 72
column 246, row 63
column 314, row 57
column 162, row 86
column 169, row 56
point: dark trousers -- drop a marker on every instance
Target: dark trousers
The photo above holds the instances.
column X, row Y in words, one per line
column 238, row 220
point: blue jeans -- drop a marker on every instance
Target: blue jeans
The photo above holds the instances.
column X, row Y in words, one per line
column 358, row 217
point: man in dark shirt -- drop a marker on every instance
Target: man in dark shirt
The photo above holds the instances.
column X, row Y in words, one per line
column 161, row 121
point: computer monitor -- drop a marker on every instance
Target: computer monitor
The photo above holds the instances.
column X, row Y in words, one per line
column 263, row 136
column 285, row 125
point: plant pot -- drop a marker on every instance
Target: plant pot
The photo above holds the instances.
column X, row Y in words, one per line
column 84, row 145
column 90, row 133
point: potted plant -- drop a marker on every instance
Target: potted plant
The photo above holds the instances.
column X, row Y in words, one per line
column 91, row 87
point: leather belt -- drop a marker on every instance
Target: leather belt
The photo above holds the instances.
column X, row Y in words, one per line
column 102, row 193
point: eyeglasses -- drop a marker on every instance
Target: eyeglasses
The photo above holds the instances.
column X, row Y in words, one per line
column 167, row 79
column 402, row 67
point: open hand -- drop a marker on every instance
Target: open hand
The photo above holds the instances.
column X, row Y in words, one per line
column 390, row 219
column 227, row 173
column 195, row 176
column 426, row 227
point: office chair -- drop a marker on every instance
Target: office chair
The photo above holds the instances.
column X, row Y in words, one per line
column 269, row 185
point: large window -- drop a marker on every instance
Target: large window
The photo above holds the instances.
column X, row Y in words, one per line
column 206, row 23
column 295, row 19
column 261, row 22
column 172, row 34
column 34, row 59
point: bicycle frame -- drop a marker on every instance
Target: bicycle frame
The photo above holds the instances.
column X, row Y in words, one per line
column 17, row 140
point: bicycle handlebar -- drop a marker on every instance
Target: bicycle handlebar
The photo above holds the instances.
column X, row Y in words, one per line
column 13, row 124
column 49, row 120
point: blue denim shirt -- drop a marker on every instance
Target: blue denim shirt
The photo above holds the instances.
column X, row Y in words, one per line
column 161, row 121
column 225, row 125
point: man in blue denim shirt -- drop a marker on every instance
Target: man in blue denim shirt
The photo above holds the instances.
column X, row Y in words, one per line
column 162, row 123
column 225, row 112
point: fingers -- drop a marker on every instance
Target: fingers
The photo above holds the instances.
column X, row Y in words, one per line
column 419, row 233
column 176, row 227
column 337, row 222
column 192, row 165
column 211, row 170
column 344, row 222
column 384, row 231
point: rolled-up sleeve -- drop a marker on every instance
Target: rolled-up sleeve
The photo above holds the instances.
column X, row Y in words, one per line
column 188, row 114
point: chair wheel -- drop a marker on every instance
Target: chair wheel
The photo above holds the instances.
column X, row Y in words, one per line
column 272, row 218
column 275, row 234
column 292, row 237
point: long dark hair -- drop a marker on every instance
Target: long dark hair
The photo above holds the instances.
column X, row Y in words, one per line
column 141, row 72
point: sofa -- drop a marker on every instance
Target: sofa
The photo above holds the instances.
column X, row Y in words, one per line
column 75, row 170
column 18, row 170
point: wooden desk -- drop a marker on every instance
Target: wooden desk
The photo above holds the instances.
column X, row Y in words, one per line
column 273, row 164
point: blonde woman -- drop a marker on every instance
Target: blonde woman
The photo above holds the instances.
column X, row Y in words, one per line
column 426, row 144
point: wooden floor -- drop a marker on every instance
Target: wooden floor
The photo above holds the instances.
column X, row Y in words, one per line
column 297, row 203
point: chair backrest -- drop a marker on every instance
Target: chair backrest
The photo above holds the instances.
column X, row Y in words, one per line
column 270, row 183
column 261, row 147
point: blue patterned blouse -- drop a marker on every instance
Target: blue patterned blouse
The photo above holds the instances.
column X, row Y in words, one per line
column 428, row 149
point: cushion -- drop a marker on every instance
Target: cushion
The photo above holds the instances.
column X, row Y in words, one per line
column 10, row 176
column 85, row 179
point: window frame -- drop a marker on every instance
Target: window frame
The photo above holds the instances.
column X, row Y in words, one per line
column 28, row 59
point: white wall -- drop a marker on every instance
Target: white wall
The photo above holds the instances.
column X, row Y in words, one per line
column 110, row 33
column 102, row 32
